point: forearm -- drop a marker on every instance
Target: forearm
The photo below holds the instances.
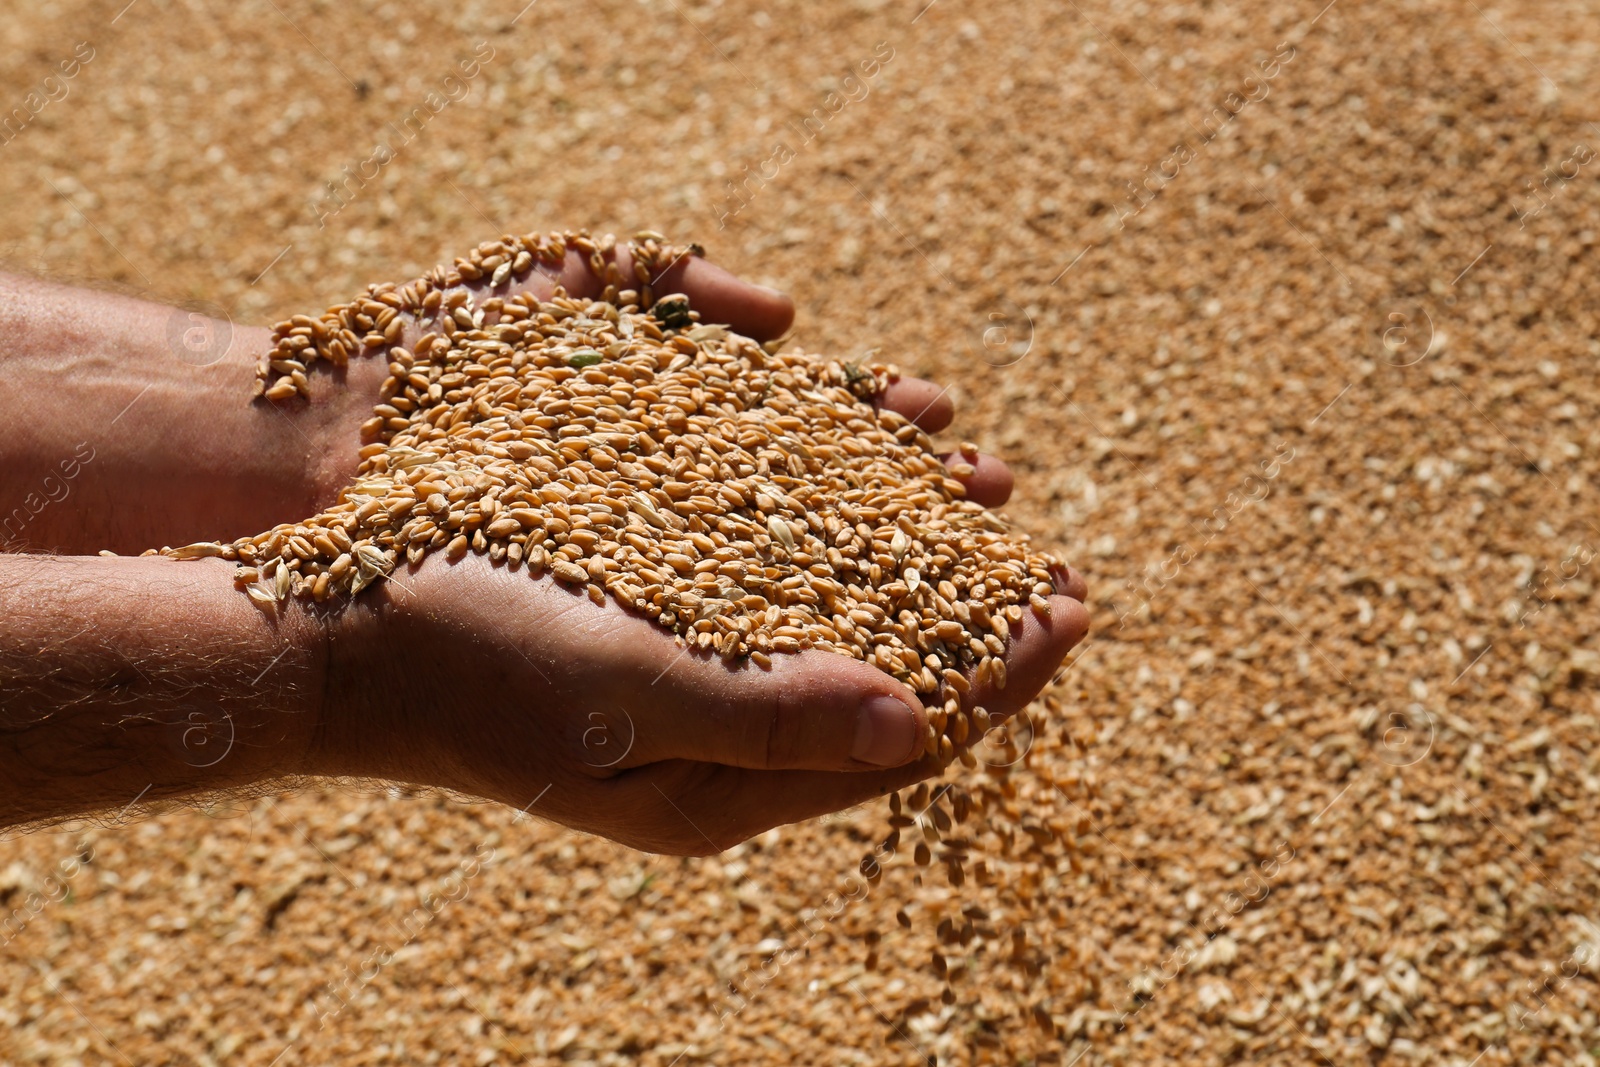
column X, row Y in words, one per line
column 129, row 425
column 144, row 678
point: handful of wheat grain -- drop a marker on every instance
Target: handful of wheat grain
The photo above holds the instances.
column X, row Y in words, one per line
column 753, row 502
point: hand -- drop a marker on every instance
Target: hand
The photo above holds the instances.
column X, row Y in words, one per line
column 141, row 413
column 336, row 409
column 459, row 675
column 474, row 677
column 479, row 679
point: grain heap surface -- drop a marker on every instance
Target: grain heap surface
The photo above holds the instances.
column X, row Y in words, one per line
column 1205, row 260
column 753, row 502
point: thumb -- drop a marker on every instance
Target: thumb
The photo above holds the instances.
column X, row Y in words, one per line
column 812, row 710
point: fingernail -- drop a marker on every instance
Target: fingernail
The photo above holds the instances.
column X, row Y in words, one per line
column 886, row 730
column 774, row 292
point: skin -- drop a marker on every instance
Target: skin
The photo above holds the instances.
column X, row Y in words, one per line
column 125, row 678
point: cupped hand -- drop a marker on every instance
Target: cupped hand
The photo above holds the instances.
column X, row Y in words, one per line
column 475, row 677
column 336, row 414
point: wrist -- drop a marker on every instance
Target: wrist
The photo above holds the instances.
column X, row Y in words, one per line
column 358, row 731
column 144, row 679
column 241, row 700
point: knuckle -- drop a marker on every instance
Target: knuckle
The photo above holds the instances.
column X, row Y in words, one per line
column 777, row 729
column 702, row 814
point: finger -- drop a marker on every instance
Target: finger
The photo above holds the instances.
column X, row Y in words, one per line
column 1038, row 645
column 1070, row 582
column 719, row 297
column 696, row 809
column 573, row 275
column 921, row 401
column 988, row 480
column 682, row 807
column 812, row 710
column 753, row 310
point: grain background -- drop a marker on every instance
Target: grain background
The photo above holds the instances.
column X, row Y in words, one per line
column 1317, row 421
